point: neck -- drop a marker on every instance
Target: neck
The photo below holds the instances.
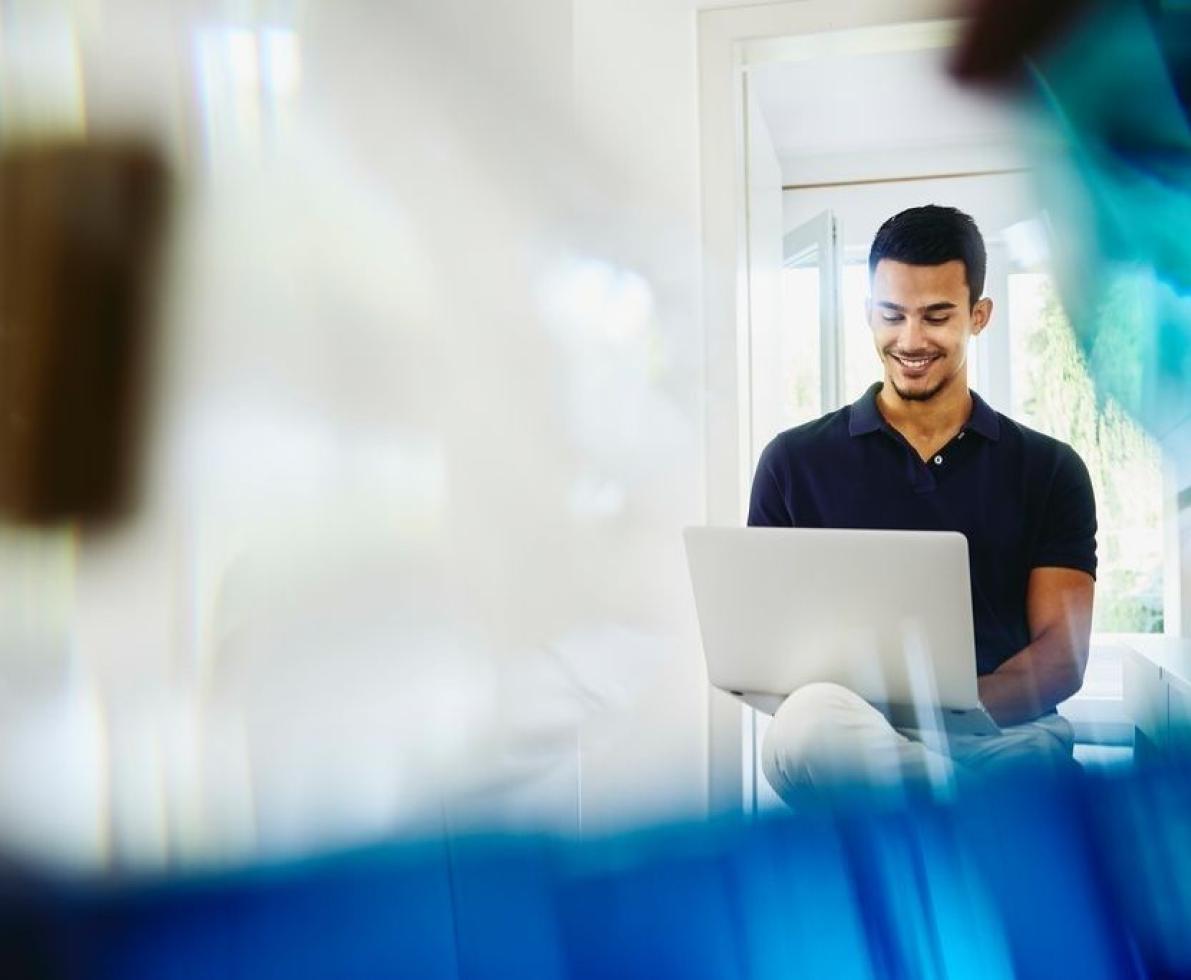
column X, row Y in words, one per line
column 927, row 421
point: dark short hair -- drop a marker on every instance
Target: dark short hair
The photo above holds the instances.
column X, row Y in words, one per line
column 932, row 235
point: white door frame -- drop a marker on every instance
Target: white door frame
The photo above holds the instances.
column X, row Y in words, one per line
column 729, row 39
column 821, row 234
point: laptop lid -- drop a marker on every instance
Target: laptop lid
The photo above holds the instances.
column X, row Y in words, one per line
column 887, row 614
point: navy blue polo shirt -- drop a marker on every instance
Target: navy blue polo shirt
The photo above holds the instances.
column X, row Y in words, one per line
column 1022, row 499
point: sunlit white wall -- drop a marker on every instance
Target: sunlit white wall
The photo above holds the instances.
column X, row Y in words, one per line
column 428, row 427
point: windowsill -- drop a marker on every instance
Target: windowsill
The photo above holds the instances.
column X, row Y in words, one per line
column 1098, row 721
column 1097, row 711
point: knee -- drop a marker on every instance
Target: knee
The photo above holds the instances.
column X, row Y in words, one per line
column 804, row 728
column 816, row 709
column 821, row 697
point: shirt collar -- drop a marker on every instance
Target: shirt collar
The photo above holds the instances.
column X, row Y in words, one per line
column 983, row 419
column 865, row 417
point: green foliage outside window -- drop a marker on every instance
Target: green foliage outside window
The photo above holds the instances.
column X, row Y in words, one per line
column 1125, row 467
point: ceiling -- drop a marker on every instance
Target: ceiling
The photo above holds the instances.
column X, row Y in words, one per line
column 895, row 110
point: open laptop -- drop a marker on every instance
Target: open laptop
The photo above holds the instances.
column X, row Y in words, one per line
column 887, row 614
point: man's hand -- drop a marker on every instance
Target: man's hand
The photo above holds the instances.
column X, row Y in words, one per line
column 1050, row 669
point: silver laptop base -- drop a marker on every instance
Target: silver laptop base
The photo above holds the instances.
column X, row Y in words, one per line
column 954, row 721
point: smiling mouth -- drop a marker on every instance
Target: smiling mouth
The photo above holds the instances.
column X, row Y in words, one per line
column 915, row 364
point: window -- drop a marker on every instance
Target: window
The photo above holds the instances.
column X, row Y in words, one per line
column 801, row 401
column 1048, row 386
column 1053, row 392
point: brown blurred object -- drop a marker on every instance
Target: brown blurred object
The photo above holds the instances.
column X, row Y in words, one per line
column 1003, row 33
column 80, row 233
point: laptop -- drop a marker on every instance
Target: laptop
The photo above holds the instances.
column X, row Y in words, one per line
column 887, row 614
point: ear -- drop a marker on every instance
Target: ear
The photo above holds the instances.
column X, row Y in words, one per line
column 981, row 314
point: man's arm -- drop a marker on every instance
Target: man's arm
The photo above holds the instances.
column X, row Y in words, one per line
column 1050, row 669
column 767, row 503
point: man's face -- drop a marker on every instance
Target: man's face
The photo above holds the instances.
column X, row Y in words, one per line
column 921, row 322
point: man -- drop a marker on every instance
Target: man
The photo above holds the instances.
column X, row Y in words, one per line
column 920, row 450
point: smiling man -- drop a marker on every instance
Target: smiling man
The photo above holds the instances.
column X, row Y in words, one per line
column 921, row 451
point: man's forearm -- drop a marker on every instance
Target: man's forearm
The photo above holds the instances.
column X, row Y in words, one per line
column 1034, row 680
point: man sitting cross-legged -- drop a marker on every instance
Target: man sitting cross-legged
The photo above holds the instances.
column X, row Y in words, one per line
column 920, row 450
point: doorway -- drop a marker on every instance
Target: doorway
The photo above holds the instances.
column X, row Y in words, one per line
column 836, row 126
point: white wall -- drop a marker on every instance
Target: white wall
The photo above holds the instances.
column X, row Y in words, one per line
column 636, row 91
column 430, row 427
column 995, row 202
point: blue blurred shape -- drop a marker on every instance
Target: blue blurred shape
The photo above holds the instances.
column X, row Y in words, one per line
column 1143, row 826
column 1118, row 186
column 505, row 909
column 653, row 904
column 799, row 909
column 376, row 912
column 1037, row 875
column 930, row 916
column 1031, row 845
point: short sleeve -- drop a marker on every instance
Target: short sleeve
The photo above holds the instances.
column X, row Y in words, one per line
column 767, row 504
column 1067, row 537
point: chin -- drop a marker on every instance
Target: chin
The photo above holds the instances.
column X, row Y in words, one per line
column 923, row 394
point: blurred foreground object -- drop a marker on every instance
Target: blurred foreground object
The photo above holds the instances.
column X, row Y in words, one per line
column 1027, row 877
column 1110, row 82
column 80, row 230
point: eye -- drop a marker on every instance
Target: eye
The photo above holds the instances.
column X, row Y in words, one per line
column 891, row 317
column 935, row 321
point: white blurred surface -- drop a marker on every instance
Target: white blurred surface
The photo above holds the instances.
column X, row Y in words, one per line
column 427, row 428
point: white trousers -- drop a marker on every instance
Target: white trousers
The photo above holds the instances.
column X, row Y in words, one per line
column 824, row 734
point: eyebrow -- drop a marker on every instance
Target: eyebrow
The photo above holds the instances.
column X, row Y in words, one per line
column 932, row 308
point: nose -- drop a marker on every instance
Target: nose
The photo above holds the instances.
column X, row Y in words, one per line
column 913, row 334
